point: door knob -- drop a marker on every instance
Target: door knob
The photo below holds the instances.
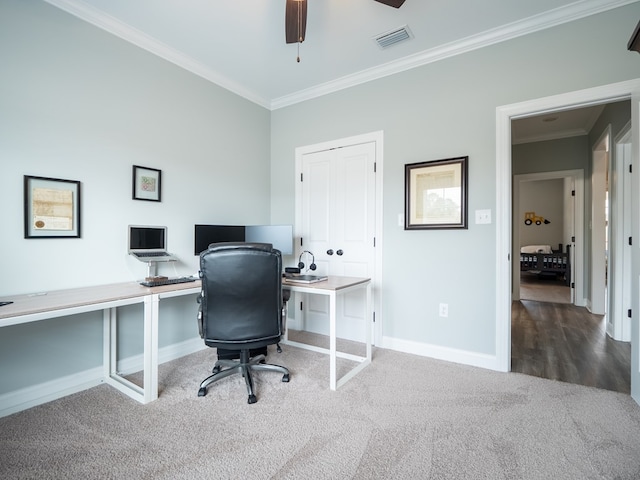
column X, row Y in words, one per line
column 339, row 252
column 329, row 252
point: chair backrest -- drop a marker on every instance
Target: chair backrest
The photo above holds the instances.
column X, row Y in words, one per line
column 241, row 295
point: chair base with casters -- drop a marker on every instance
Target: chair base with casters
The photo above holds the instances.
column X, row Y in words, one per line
column 246, row 364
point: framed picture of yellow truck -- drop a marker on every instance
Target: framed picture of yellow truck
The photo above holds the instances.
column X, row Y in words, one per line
column 531, row 218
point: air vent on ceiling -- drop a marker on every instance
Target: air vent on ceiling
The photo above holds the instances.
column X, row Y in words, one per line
column 393, row 37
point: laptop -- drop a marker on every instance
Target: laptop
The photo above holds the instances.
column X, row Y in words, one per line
column 149, row 244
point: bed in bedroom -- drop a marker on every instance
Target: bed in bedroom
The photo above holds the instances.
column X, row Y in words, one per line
column 543, row 260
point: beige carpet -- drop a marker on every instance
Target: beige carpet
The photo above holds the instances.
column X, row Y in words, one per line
column 403, row 417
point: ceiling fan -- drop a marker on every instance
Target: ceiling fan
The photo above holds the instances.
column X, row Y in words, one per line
column 295, row 21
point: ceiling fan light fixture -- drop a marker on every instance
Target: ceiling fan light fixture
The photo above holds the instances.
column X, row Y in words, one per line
column 392, row 3
column 295, row 21
column 634, row 41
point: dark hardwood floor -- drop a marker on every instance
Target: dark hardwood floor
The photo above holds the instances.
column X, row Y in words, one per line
column 567, row 343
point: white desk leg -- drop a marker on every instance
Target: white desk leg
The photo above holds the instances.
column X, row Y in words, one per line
column 109, row 340
column 332, row 340
column 151, row 347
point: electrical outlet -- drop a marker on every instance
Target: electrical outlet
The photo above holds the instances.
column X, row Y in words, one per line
column 444, row 310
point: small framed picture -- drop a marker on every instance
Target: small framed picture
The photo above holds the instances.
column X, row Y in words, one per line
column 147, row 184
column 51, row 208
column 436, row 194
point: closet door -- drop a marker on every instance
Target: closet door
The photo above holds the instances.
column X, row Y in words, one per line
column 338, row 228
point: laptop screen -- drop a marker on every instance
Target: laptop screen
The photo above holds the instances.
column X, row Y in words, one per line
column 145, row 238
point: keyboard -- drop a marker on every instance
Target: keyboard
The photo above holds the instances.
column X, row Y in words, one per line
column 167, row 281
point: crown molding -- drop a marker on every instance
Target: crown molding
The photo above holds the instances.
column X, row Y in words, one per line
column 551, row 18
column 136, row 37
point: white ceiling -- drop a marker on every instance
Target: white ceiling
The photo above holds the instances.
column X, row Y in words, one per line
column 240, row 44
column 555, row 125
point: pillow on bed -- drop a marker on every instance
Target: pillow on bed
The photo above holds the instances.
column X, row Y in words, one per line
column 536, row 249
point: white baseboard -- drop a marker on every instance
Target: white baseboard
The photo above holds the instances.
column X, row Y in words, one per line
column 464, row 357
column 34, row 395
column 28, row 397
column 165, row 354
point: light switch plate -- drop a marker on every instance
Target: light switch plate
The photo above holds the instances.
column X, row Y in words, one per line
column 483, row 216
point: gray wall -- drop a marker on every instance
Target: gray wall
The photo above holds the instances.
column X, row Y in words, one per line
column 571, row 153
column 78, row 103
column 443, row 110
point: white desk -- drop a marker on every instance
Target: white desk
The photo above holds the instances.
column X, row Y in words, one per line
column 335, row 287
column 37, row 307
column 60, row 303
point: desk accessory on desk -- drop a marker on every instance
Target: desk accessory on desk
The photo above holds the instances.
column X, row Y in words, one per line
column 161, row 281
column 306, row 278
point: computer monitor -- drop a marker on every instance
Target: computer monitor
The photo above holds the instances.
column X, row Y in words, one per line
column 205, row 235
column 280, row 236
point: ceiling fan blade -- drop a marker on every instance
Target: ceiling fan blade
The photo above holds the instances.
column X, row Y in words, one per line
column 295, row 20
column 392, row 3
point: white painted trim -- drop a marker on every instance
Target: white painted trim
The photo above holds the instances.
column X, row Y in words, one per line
column 551, row 18
column 376, row 282
column 441, row 353
column 34, row 395
column 116, row 27
column 598, row 267
column 504, row 115
column 135, row 363
column 635, row 247
column 618, row 323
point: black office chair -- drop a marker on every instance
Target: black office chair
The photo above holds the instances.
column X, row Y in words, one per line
column 241, row 308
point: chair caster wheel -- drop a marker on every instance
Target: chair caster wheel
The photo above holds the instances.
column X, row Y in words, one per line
column 278, row 348
column 285, row 378
column 202, row 392
column 216, row 369
column 252, row 399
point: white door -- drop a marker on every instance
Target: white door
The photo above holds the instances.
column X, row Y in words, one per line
column 599, row 244
column 618, row 321
column 337, row 230
column 569, row 234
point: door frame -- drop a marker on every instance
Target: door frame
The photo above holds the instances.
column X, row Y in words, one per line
column 504, row 115
column 618, row 322
column 577, row 252
column 599, row 268
column 376, row 137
